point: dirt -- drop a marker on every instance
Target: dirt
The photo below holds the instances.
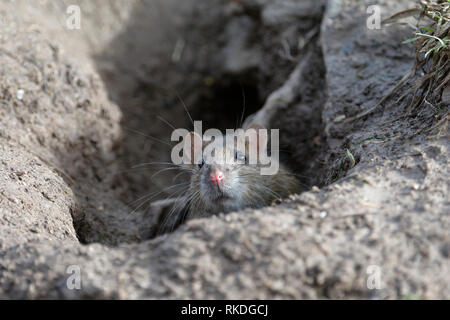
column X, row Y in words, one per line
column 78, row 107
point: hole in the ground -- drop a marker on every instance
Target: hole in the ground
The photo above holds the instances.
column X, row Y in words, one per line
column 227, row 103
column 143, row 80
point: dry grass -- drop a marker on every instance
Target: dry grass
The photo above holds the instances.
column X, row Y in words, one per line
column 429, row 77
column 432, row 43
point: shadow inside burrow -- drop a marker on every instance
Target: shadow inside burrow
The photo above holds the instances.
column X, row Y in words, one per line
column 153, row 88
column 166, row 60
column 144, row 77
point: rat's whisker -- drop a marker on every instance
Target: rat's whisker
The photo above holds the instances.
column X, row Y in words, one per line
column 185, row 108
column 243, row 109
column 166, row 121
column 152, row 195
column 179, row 174
column 148, row 200
column 164, row 170
column 149, row 137
column 176, row 208
column 154, row 163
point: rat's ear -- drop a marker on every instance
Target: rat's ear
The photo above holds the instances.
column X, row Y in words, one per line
column 193, row 148
column 261, row 137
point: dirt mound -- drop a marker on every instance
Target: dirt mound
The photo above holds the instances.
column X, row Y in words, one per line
column 73, row 100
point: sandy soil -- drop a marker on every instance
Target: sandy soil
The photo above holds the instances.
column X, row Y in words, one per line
column 76, row 106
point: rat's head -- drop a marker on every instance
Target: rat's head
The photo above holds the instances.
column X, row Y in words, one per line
column 222, row 178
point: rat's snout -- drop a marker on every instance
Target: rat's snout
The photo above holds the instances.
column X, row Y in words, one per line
column 217, row 176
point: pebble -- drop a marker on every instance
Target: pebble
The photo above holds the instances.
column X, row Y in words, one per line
column 20, row 94
column 14, row 200
column 339, row 118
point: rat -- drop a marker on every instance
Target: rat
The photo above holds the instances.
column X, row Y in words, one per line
column 222, row 187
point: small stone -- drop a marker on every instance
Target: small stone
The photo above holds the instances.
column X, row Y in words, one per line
column 339, row 118
column 315, row 189
column 323, row 214
column 20, row 94
column 14, row 200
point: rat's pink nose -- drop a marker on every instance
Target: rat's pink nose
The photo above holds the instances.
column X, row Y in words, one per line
column 217, row 176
